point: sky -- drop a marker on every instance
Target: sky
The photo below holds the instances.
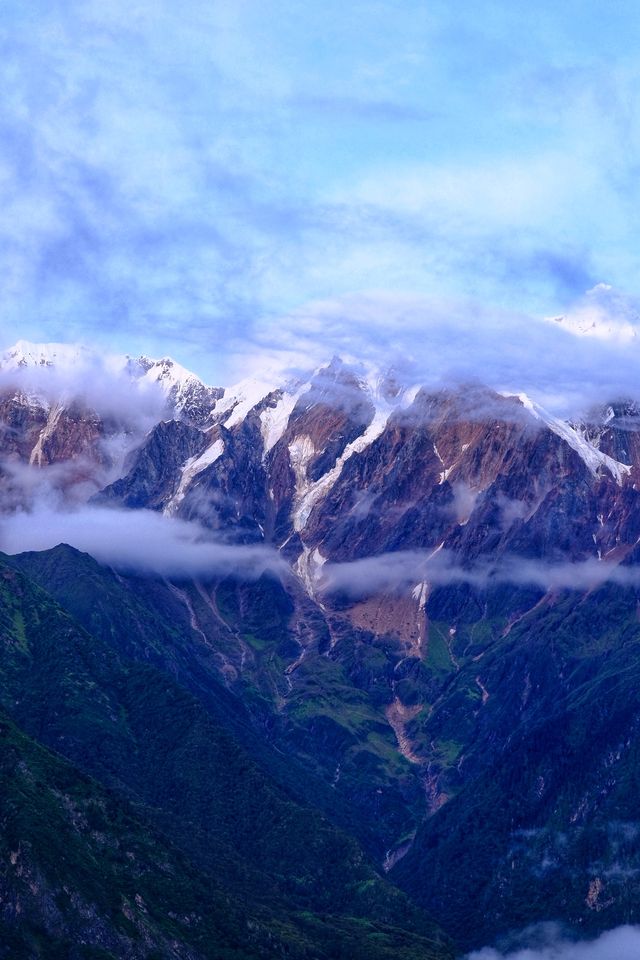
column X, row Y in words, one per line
column 192, row 179
column 233, row 181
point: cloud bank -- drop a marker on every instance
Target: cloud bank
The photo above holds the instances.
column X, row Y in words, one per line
column 623, row 943
column 92, row 380
column 570, row 366
column 403, row 569
column 137, row 541
column 150, row 543
column 448, row 343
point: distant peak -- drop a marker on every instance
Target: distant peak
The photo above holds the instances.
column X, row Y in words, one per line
column 25, row 353
column 62, row 356
column 603, row 313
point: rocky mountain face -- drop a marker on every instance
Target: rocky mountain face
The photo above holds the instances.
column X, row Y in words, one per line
column 444, row 644
column 64, row 407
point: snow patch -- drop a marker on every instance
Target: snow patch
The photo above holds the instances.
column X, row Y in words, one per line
column 191, row 468
column 274, row 420
column 45, row 433
column 594, row 459
column 311, row 493
column 308, row 566
column 240, row 399
column 301, row 452
column 446, row 470
column 421, row 593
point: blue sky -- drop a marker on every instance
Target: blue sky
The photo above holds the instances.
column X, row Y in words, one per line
column 180, row 178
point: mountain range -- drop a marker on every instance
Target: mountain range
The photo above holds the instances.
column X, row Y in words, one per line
column 329, row 665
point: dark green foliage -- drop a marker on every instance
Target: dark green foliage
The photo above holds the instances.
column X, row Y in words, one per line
column 258, row 864
column 331, row 717
column 526, row 724
column 546, row 822
column 78, row 866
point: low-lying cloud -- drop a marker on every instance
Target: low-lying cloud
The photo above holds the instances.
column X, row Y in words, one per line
column 402, row 569
column 623, row 943
column 138, row 541
column 151, row 543
column 100, row 382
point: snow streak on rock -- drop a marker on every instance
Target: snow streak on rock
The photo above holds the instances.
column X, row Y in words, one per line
column 593, row 458
column 190, row 471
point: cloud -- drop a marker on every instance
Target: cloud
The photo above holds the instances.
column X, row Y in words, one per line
column 451, row 342
column 136, row 540
column 464, row 499
column 511, row 510
column 90, row 379
column 422, row 341
column 605, row 314
column 623, row 943
column 61, row 484
column 170, row 179
column 474, row 196
column 401, row 570
column 84, row 385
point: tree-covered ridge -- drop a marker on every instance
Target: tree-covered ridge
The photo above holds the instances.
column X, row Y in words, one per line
column 82, row 875
column 299, row 886
column 543, row 821
column 526, row 726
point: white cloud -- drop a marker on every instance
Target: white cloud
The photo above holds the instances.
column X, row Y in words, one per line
column 481, row 196
column 447, row 342
column 136, row 540
column 623, row 943
column 604, row 314
column 400, row 570
column 91, row 380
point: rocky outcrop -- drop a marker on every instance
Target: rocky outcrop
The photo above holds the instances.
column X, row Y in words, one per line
column 461, row 568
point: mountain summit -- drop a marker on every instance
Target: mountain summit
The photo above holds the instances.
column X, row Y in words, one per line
column 421, row 597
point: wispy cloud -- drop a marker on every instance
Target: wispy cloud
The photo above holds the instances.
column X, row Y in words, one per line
column 623, row 943
column 401, row 570
column 439, row 342
column 175, row 177
column 136, row 540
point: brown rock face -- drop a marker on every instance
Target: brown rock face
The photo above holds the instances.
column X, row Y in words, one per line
column 21, row 423
column 444, row 602
column 470, row 473
column 67, row 446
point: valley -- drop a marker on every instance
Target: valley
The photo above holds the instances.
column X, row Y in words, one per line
column 355, row 656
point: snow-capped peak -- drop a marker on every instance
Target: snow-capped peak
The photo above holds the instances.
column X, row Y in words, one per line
column 184, row 391
column 79, row 368
column 24, row 353
column 166, row 372
column 241, row 398
column 63, row 356
column 603, row 313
